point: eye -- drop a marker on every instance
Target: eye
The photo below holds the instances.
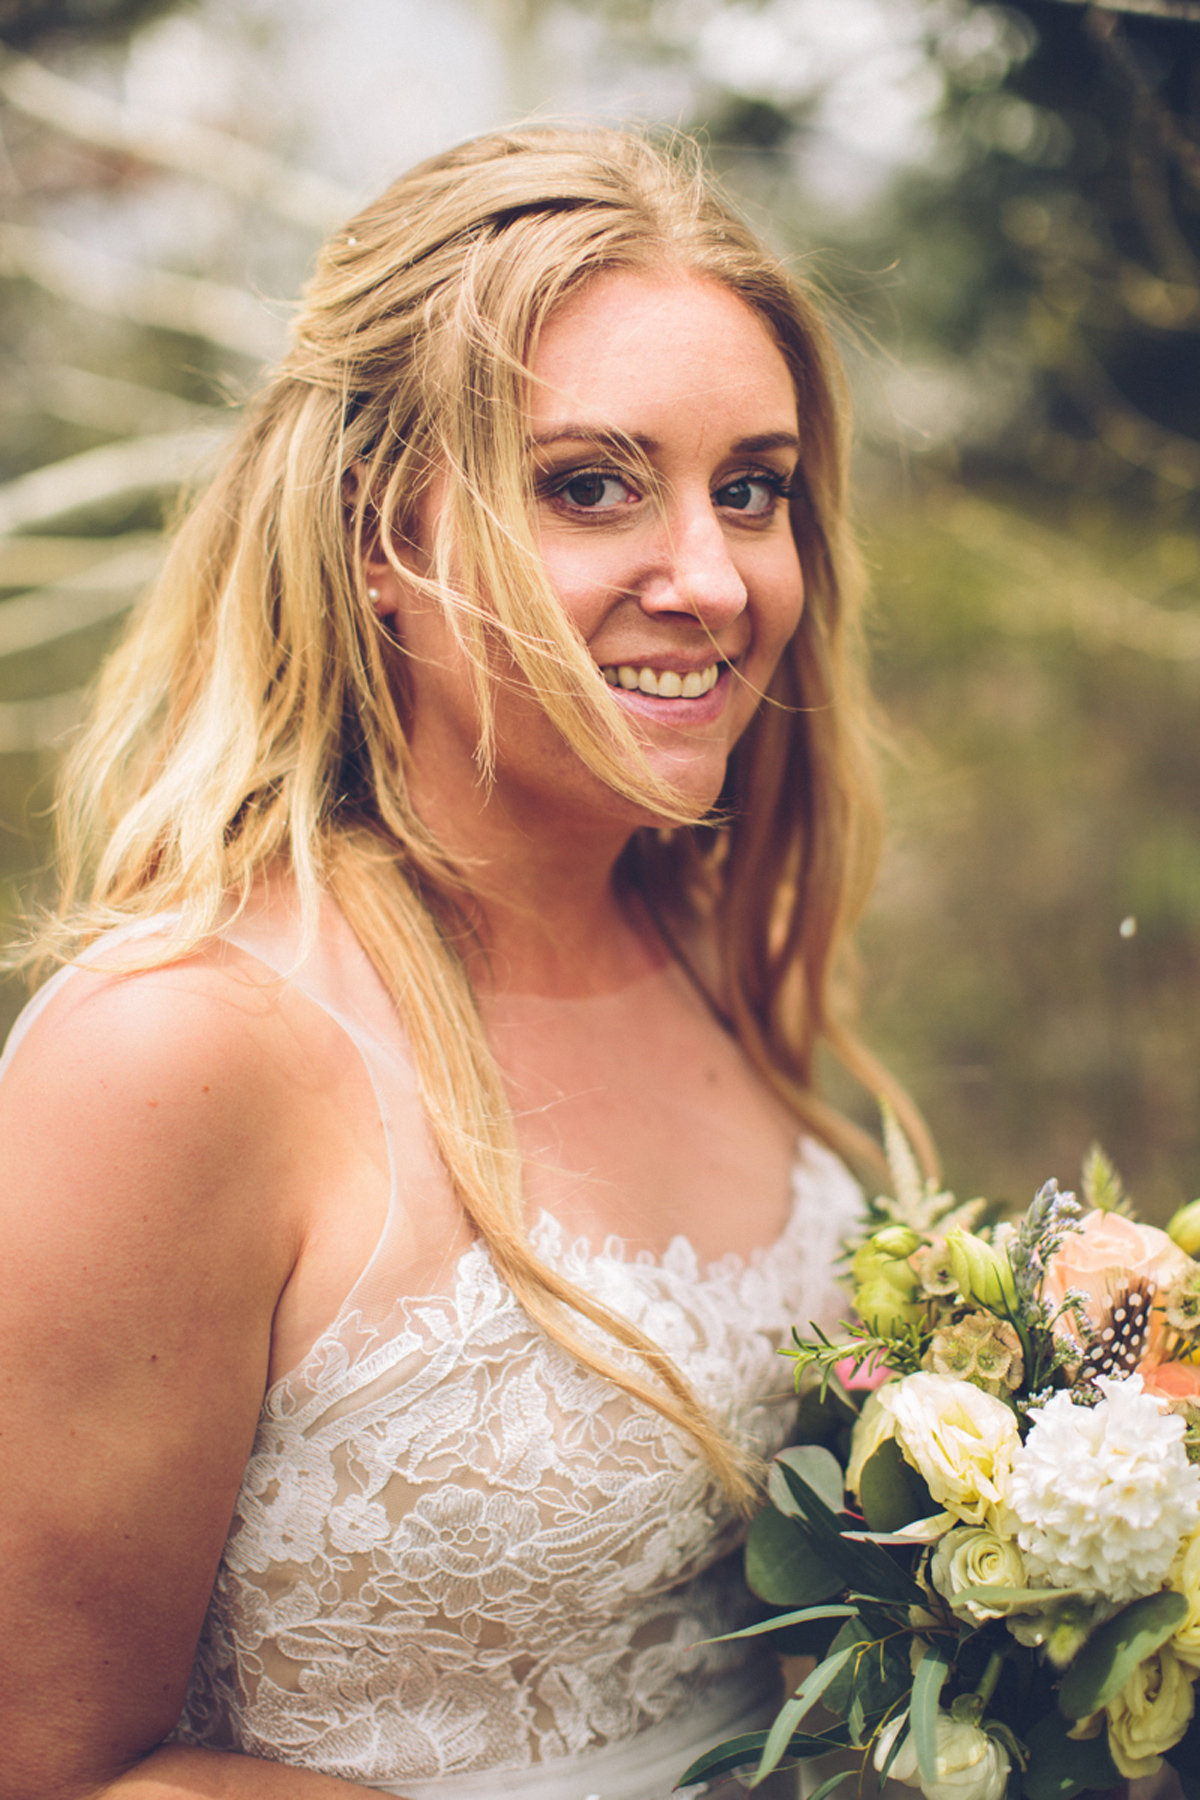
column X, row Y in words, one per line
column 595, row 490
column 754, row 496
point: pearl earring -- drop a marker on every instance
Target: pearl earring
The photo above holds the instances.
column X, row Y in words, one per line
column 372, row 593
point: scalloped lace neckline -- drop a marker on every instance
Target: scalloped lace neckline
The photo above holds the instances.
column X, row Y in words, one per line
column 552, row 1239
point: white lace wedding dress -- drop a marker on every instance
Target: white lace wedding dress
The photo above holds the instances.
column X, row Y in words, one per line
column 462, row 1566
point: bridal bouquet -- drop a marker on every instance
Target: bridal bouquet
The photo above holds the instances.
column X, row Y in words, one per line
column 990, row 1537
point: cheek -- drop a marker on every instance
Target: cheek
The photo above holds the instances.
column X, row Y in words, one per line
column 587, row 580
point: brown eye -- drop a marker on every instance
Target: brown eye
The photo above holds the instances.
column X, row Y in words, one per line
column 594, row 491
column 753, row 494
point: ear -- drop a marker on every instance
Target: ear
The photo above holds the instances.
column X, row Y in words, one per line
column 379, row 578
column 385, row 590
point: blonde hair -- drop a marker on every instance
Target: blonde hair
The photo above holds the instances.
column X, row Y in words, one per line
column 253, row 712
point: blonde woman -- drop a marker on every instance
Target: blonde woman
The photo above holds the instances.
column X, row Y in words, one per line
column 403, row 1201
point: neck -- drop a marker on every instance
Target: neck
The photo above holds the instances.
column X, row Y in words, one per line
column 547, row 909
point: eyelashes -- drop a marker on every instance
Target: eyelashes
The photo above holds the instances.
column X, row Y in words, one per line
column 754, row 493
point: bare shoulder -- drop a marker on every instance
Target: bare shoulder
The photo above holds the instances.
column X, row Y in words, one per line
column 146, row 1233
column 162, row 1083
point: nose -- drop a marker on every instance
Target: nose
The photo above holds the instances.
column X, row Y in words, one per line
column 696, row 575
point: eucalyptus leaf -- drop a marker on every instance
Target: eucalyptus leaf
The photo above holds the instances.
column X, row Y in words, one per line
column 831, row 1782
column 891, row 1491
column 1114, row 1650
column 820, row 1419
column 793, row 1711
column 1014, row 1599
column 878, row 1677
column 931, row 1674
column 785, row 1565
column 818, row 1467
column 739, row 1752
column 782, row 1620
column 864, row 1567
column 1061, row 1766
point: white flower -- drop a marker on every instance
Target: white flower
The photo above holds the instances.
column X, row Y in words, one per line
column 970, row 1764
column 975, row 1556
column 1102, row 1496
column 958, row 1438
column 873, row 1427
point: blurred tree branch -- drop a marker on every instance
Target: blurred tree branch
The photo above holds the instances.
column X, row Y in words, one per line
column 95, row 478
column 1186, row 10
column 227, row 316
column 241, row 168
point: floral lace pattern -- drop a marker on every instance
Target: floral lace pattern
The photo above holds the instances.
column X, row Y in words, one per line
column 457, row 1550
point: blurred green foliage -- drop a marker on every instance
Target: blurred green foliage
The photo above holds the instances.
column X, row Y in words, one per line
column 1030, row 295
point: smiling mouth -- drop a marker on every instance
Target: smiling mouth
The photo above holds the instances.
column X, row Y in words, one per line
column 664, row 684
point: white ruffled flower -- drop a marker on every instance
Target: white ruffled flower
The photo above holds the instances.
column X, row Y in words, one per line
column 1102, row 1496
column 970, row 1764
column 959, row 1439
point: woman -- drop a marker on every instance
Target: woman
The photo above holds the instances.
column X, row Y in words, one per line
column 404, row 1202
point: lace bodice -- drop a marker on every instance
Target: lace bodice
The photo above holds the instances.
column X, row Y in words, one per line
column 455, row 1550
column 459, row 1550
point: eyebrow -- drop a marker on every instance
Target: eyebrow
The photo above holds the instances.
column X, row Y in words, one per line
column 755, row 445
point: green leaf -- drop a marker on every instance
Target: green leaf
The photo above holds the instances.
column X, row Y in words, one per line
column 739, row 1752
column 785, row 1565
column 792, row 1711
column 1015, row 1600
column 781, row 1620
column 820, row 1418
column 831, row 1782
column 892, row 1493
column 819, row 1468
column 931, row 1673
column 1060, row 1767
column 1113, row 1652
column 863, row 1567
column 878, row 1678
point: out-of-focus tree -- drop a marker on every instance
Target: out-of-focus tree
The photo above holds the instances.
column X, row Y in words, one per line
column 1007, row 200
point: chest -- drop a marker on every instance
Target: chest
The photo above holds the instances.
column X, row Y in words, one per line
column 638, row 1115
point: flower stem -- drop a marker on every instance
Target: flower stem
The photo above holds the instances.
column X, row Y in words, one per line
column 991, row 1676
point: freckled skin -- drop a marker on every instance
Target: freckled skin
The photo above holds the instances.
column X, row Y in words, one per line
column 691, row 372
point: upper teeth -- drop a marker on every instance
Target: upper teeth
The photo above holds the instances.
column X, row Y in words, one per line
column 668, row 684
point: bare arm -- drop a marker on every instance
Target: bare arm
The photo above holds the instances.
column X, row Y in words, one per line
column 149, row 1222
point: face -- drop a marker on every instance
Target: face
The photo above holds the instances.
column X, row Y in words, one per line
column 685, row 588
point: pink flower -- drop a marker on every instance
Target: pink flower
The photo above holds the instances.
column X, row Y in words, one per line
column 864, row 1378
column 1105, row 1253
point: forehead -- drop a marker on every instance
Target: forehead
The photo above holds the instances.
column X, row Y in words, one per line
column 644, row 351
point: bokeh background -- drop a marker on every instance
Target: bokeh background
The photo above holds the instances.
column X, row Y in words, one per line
column 1003, row 202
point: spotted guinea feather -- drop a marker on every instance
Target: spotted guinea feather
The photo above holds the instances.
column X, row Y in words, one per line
column 1119, row 1342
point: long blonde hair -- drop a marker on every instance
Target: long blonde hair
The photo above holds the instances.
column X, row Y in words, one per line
column 252, row 713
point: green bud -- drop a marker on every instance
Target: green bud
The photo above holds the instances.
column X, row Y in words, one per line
column 1184, row 1228
column 884, row 1256
column 882, row 1309
column 896, row 1240
column 982, row 1274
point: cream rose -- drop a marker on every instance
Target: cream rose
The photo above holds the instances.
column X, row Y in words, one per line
column 1150, row 1713
column 1185, row 1579
column 970, row 1764
column 1107, row 1250
column 975, row 1556
column 958, row 1438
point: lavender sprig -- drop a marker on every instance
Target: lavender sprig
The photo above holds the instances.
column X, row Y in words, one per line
column 1051, row 1218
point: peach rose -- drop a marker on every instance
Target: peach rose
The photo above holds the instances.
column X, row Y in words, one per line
column 1171, row 1380
column 1106, row 1251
